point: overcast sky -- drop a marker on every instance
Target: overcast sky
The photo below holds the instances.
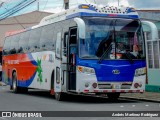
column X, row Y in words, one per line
column 57, row 5
column 134, row 3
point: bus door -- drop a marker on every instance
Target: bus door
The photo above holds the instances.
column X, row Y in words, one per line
column 72, row 51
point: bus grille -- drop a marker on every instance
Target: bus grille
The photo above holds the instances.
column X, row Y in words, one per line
column 109, row 86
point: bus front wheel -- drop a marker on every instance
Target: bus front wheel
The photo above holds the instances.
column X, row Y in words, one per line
column 59, row 96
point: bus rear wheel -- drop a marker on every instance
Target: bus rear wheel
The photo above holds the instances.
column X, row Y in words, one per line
column 113, row 96
column 15, row 88
column 59, row 96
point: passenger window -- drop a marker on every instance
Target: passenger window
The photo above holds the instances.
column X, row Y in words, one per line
column 34, row 40
column 65, row 39
column 14, row 44
column 58, row 45
column 65, row 43
column 46, row 40
column 23, row 42
column 6, row 47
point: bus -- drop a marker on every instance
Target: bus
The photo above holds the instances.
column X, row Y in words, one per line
column 84, row 50
column 0, row 64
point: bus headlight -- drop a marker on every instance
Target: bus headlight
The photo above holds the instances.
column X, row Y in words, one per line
column 140, row 71
column 86, row 70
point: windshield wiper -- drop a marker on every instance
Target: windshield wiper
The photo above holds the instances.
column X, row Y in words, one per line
column 128, row 55
column 104, row 54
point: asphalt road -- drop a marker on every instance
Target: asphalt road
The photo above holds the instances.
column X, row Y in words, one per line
column 36, row 100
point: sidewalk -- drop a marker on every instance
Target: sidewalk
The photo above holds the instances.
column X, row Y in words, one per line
column 146, row 96
column 2, row 84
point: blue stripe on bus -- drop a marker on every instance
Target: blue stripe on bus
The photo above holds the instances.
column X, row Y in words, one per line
column 84, row 14
column 26, row 83
column 32, row 59
column 104, row 70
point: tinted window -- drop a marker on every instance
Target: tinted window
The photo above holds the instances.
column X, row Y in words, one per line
column 14, row 44
column 46, row 40
column 7, row 45
column 34, row 40
column 58, row 45
column 23, row 42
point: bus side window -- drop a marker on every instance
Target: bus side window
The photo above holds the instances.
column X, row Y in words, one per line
column 73, row 41
column 34, row 40
column 65, row 43
column 73, row 36
column 46, row 40
column 58, row 45
column 14, row 44
column 6, row 46
column 23, row 42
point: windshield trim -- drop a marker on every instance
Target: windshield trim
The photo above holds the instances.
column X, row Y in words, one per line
column 139, row 27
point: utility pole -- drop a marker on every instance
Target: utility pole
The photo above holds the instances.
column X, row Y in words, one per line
column 66, row 4
column 118, row 2
column 38, row 5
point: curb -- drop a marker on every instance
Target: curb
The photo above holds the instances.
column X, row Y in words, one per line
column 152, row 88
column 2, row 84
column 140, row 99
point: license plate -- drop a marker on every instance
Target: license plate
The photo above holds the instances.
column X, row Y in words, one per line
column 116, row 86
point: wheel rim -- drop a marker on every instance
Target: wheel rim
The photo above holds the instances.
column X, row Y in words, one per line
column 57, row 96
column 14, row 85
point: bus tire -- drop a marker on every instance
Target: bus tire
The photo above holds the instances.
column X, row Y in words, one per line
column 59, row 96
column 113, row 96
column 15, row 88
column 23, row 90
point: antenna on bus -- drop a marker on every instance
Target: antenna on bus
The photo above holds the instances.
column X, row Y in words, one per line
column 66, row 4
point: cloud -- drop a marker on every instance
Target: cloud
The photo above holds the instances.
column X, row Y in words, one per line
column 145, row 3
column 54, row 10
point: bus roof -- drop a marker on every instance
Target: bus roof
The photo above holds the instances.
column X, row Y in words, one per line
column 91, row 10
column 85, row 10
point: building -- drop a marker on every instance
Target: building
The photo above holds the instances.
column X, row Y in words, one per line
column 153, row 49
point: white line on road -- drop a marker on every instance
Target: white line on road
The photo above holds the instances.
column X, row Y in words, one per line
column 146, row 105
column 121, row 106
column 133, row 105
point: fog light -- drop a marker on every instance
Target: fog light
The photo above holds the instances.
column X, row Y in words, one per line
column 94, row 85
column 136, row 85
column 86, row 84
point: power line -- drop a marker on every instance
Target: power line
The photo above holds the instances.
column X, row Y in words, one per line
column 41, row 13
column 15, row 9
column 19, row 22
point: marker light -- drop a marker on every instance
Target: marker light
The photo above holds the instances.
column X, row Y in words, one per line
column 94, row 85
column 140, row 71
column 85, row 7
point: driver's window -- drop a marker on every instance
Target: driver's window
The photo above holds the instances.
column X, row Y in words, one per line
column 73, row 36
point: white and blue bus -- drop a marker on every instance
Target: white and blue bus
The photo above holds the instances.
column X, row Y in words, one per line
column 88, row 49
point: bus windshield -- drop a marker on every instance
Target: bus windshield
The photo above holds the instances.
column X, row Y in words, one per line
column 112, row 39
